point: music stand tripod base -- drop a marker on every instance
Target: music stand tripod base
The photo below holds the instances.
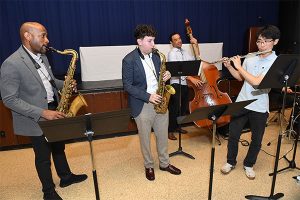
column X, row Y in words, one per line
column 90, row 125
column 178, row 69
column 274, row 197
column 180, row 151
column 292, row 163
column 283, row 73
column 213, row 113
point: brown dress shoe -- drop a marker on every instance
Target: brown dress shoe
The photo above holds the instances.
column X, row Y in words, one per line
column 172, row 169
column 171, row 136
column 180, row 130
column 150, row 174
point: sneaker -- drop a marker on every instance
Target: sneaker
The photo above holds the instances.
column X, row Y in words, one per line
column 227, row 168
column 250, row 173
column 297, row 178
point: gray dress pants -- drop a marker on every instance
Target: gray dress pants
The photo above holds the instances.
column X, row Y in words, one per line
column 146, row 120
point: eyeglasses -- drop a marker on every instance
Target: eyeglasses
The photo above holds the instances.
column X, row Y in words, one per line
column 263, row 42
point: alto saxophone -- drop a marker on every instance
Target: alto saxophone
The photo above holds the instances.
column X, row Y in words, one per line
column 165, row 91
column 67, row 90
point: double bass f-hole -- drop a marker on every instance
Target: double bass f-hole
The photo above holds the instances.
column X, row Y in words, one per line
column 216, row 92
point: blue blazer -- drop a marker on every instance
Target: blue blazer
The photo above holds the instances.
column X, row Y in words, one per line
column 134, row 80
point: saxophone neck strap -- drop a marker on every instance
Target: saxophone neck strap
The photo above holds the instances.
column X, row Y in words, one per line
column 37, row 66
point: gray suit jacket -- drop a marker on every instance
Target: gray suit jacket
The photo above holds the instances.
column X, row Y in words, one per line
column 23, row 92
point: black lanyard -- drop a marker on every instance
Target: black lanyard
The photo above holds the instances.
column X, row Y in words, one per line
column 37, row 66
column 151, row 63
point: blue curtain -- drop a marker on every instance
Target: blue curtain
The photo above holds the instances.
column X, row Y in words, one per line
column 75, row 23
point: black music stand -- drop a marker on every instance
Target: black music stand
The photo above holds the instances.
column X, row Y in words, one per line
column 213, row 113
column 178, row 69
column 292, row 163
column 284, row 72
column 88, row 125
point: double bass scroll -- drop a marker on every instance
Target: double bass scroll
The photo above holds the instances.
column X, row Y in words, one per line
column 195, row 46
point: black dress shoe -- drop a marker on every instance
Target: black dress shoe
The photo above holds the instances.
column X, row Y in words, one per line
column 297, row 178
column 171, row 136
column 150, row 174
column 172, row 169
column 52, row 196
column 72, row 179
column 180, row 130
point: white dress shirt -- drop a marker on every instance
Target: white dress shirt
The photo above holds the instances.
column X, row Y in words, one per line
column 151, row 76
column 44, row 75
column 177, row 54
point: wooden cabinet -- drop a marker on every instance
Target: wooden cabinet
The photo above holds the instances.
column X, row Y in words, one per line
column 97, row 102
column 7, row 136
column 102, row 102
column 106, row 102
column 124, row 104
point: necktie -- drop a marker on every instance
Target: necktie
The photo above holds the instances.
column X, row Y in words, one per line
column 180, row 50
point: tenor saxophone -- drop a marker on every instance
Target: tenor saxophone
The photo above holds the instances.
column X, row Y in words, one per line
column 165, row 91
column 64, row 106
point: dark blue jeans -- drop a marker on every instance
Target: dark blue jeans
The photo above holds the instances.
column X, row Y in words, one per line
column 257, row 122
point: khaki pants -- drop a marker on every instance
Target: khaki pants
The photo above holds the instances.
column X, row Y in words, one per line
column 146, row 120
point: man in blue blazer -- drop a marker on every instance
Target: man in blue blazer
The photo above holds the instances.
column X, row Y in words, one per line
column 140, row 74
column 29, row 89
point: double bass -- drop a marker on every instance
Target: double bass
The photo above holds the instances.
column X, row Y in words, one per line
column 208, row 94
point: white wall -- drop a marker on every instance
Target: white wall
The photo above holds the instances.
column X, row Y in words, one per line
column 105, row 62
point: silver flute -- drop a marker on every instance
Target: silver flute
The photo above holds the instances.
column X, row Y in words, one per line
column 243, row 56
